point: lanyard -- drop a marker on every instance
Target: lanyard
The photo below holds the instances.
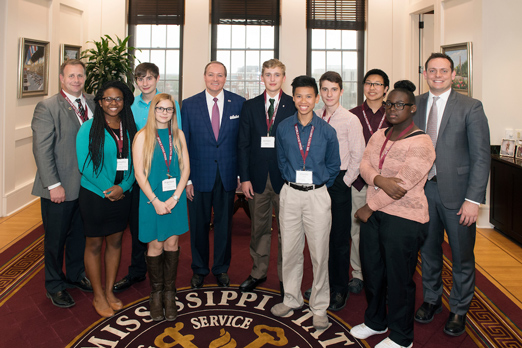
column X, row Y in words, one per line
column 164, row 153
column 270, row 123
column 368, row 122
column 83, row 117
column 324, row 115
column 381, row 156
column 119, row 141
column 304, row 154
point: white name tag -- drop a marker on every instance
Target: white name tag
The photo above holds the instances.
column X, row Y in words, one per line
column 304, row 177
column 268, row 142
column 122, row 164
column 169, row 184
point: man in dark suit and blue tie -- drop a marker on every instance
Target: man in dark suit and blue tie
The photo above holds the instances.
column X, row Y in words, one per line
column 455, row 188
column 261, row 179
column 211, row 123
column 55, row 123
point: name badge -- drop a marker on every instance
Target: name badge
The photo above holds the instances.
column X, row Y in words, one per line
column 304, row 177
column 169, row 184
column 122, row 164
column 268, row 142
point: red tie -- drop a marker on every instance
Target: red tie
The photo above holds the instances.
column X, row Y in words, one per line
column 215, row 118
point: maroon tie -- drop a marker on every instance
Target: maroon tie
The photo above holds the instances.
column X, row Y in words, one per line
column 215, row 118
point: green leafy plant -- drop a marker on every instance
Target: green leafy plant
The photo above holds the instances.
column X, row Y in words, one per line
column 110, row 60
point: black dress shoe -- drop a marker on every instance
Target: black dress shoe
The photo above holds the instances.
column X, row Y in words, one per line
column 426, row 312
column 251, row 283
column 337, row 301
column 223, row 280
column 126, row 282
column 197, row 281
column 84, row 284
column 456, row 325
column 61, row 299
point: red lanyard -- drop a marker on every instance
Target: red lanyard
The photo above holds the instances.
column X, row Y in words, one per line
column 164, row 153
column 324, row 114
column 270, row 123
column 304, row 154
column 368, row 122
column 381, row 156
column 120, row 140
column 83, row 117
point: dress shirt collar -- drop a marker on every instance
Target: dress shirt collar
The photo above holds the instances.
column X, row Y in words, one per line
column 72, row 98
column 210, row 98
column 444, row 96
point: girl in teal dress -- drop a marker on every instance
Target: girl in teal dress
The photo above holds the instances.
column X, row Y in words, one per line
column 162, row 168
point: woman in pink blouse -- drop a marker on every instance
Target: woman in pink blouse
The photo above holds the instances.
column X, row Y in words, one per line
column 395, row 165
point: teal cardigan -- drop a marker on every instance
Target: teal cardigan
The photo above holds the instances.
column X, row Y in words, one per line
column 105, row 179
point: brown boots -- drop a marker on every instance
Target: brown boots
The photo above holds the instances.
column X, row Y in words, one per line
column 170, row 272
column 163, row 271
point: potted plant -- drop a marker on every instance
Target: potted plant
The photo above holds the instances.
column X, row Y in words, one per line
column 107, row 63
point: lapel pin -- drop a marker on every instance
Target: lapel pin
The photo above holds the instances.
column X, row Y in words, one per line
column 229, row 101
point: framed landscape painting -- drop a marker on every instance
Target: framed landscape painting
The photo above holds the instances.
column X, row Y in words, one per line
column 69, row 52
column 33, row 68
column 462, row 59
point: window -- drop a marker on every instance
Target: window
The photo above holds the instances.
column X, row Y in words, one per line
column 245, row 34
column 156, row 28
column 336, row 42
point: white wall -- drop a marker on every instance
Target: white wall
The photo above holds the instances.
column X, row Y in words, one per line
column 66, row 21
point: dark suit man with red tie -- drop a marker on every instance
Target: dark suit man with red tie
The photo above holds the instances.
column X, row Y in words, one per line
column 211, row 123
column 261, row 180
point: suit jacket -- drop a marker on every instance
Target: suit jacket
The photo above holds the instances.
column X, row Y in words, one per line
column 206, row 154
column 255, row 162
column 463, row 149
column 55, row 126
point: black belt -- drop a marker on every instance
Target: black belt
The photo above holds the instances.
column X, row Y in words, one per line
column 303, row 187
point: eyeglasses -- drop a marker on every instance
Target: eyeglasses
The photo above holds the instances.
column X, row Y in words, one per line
column 398, row 106
column 163, row 110
column 373, row 84
column 109, row 100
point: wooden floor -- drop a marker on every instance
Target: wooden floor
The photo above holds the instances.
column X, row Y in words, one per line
column 497, row 257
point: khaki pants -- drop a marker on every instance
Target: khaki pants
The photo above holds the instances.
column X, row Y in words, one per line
column 358, row 201
column 305, row 213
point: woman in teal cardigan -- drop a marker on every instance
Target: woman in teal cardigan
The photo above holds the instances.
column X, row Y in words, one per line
column 103, row 146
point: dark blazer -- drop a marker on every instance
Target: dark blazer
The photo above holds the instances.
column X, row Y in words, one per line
column 463, row 149
column 55, row 126
column 205, row 153
column 255, row 162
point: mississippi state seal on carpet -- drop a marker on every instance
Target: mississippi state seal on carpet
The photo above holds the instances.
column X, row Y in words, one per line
column 216, row 317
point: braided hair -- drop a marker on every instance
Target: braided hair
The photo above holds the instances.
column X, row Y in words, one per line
column 97, row 133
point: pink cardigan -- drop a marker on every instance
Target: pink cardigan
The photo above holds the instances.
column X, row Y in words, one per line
column 410, row 160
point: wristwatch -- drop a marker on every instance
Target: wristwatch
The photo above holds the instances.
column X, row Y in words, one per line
column 176, row 198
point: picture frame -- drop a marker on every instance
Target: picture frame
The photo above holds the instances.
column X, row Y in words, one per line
column 518, row 153
column 69, row 52
column 33, row 68
column 507, row 148
column 461, row 54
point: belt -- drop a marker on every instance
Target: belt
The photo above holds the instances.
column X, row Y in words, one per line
column 303, row 187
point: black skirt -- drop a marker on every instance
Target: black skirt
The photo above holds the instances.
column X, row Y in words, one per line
column 101, row 217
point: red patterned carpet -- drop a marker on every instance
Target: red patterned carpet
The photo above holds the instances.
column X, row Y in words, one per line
column 28, row 319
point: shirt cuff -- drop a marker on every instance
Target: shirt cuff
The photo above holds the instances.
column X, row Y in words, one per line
column 54, row 186
column 469, row 200
column 189, row 182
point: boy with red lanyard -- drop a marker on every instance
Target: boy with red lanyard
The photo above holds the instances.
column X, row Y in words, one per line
column 372, row 116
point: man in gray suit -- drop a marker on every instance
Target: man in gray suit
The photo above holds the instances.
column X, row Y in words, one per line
column 55, row 123
column 456, row 186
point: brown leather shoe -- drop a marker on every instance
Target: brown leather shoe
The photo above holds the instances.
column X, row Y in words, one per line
column 105, row 312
